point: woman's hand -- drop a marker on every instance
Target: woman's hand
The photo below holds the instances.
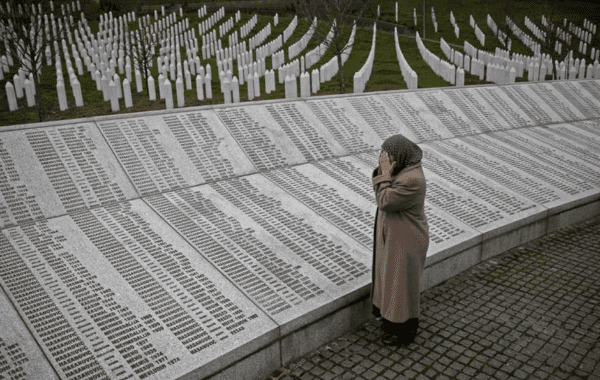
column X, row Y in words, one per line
column 385, row 165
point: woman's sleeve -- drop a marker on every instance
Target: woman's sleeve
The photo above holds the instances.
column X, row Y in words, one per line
column 395, row 197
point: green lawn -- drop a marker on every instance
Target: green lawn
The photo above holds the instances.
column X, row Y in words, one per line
column 386, row 73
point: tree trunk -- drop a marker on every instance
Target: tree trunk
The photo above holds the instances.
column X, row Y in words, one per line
column 38, row 96
column 341, row 73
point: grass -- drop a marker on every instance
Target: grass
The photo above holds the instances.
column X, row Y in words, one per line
column 386, row 74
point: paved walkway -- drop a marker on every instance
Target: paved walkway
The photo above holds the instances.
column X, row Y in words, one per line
column 530, row 313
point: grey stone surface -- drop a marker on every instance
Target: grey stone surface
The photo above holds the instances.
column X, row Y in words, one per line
column 289, row 260
column 162, row 153
column 54, row 170
column 269, row 205
column 20, row 355
column 130, row 296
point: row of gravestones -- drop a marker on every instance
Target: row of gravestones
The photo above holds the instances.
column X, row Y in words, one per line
column 447, row 72
column 502, row 37
column 295, row 48
column 362, row 76
column 478, row 33
column 440, row 67
column 409, row 75
column 114, row 90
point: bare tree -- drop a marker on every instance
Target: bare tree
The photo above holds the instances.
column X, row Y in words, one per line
column 27, row 29
column 141, row 47
column 550, row 24
column 339, row 16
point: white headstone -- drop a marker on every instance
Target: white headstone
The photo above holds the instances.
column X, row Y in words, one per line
column 180, row 93
column 208, row 84
column 117, row 81
column 250, row 83
column 188, row 80
column 62, row 95
column 114, row 98
column 168, row 94
column 572, row 73
column 304, row 85
column 256, row 85
column 590, row 72
column 460, row 77
column 235, row 90
column 76, row 86
column 139, row 82
column 161, row 86
column 151, row 88
column 200, row 87
column 18, row 80
column 291, row 88
column 105, row 93
column 127, row 93
column 11, row 96
column 315, row 79
column 543, row 72
column 226, row 90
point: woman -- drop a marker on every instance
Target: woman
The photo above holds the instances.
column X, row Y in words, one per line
column 401, row 239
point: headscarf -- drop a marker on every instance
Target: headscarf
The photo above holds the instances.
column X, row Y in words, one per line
column 405, row 152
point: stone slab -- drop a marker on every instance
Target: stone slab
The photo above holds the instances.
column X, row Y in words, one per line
column 561, row 102
column 566, row 156
column 592, row 87
column 474, row 199
column 584, row 133
column 576, row 141
column 20, row 355
column 581, row 95
column 175, row 150
column 359, row 122
column 116, row 292
column 511, row 114
column 480, row 113
column 515, row 170
column 446, row 106
column 290, row 261
column 52, row 171
column 336, row 189
column 279, row 134
column 524, row 96
column 417, row 116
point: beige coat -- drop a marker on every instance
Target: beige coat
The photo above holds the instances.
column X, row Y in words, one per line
column 400, row 242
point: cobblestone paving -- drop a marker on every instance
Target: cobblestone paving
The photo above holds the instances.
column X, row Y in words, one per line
column 530, row 313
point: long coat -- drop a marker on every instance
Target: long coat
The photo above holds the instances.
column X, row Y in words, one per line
column 400, row 242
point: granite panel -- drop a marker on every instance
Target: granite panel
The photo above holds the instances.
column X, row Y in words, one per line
column 166, row 152
column 512, row 116
column 527, row 98
column 350, row 121
column 279, row 134
column 52, row 171
column 580, row 96
column 417, row 116
column 516, row 170
column 20, row 356
column 115, row 292
column 474, row 199
column 289, row 260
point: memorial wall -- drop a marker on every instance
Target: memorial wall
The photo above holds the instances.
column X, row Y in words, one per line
column 177, row 244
